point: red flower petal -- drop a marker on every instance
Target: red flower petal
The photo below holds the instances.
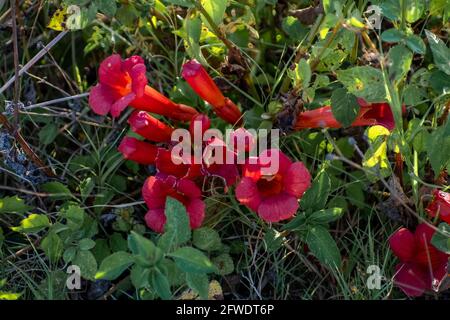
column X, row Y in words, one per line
column 196, row 211
column 426, row 254
column 138, row 79
column 155, row 219
column 247, row 194
column 120, row 105
column 101, row 99
column 411, row 279
column 403, row 244
column 440, row 205
column 279, row 207
column 149, row 127
column 138, row 151
column 189, row 188
column 154, row 193
column 200, row 81
column 110, row 72
column 297, row 179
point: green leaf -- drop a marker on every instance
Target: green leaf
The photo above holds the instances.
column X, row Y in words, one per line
column 53, row 247
column 325, row 216
column 392, row 35
column 439, row 81
column 206, row 239
column 13, row 204
column 224, row 264
column 441, row 239
column 113, row 266
column 414, row 10
column 177, row 229
column 193, row 28
column 364, row 82
column 161, row 285
column 438, row 147
column 107, row 7
column 215, row 9
column 48, row 133
column 87, row 263
column 316, row 196
column 147, row 254
column 416, row 44
column 199, row 283
column 303, row 71
column 344, row 106
column 139, row 276
column 189, row 259
column 400, row 59
column 323, row 246
column 57, row 190
column 441, row 53
column 86, row 244
column 33, row 223
column 75, row 216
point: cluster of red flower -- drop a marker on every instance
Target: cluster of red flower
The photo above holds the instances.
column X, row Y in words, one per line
column 274, row 197
column 422, row 267
column 123, row 83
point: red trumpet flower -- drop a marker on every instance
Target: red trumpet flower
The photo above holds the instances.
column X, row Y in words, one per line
column 274, row 197
column 199, row 80
column 369, row 115
column 149, row 127
column 155, row 192
column 138, row 151
column 123, row 82
column 153, row 101
column 120, row 82
column 440, row 205
column 422, row 267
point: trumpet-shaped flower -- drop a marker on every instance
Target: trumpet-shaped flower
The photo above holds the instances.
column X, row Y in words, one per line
column 155, row 192
column 123, row 83
column 199, row 80
column 274, row 197
column 422, row 267
column 149, row 127
column 440, row 205
column 369, row 115
column 138, row 151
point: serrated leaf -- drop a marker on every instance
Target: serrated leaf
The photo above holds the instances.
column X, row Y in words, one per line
column 192, row 260
column 160, row 284
column 316, row 196
column 113, row 265
column 344, row 106
column 33, row 223
column 215, row 9
column 400, row 59
column 416, row 44
column 147, row 254
column 206, row 239
column 13, row 204
column 323, row 246
column 177, row 229
column 87, row 263
column 441, row 53
column 392, row 35
column 53, row 246
column 364, row 82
